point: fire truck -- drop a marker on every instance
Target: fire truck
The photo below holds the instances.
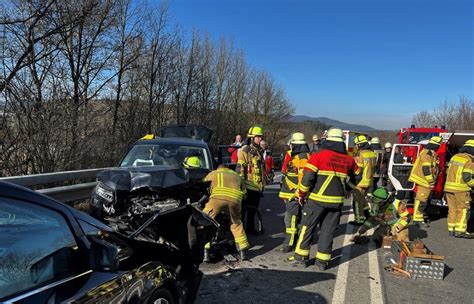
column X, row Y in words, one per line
column 410, row 142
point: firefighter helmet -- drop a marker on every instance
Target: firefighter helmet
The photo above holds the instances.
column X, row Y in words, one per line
column 360, row 139
column 256, row 130
column 388, row 145
column 380, row 195
column 298, row 138
column 335, row 134
column 375, row 140
column 192, row 162
column 436, row 140
column 315, row 137
column 469, row 143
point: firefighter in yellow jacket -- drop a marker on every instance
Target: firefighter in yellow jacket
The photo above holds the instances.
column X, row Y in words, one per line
column 250, row 167
column 458, row 187
column 227, row 191
column 365, row 159
column 294, row 172
column 424, row 174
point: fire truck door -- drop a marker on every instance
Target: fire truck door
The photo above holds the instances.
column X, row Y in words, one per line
column 400, row 165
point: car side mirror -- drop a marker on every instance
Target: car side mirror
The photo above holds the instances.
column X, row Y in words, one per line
column 104, row 256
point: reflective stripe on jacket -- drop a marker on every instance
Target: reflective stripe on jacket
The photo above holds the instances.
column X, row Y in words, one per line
column 425, row 169
column 365, row 160
column 250, row 167
column 325, row 173
column 290, row 182
column 226, row 185
column 460, row 173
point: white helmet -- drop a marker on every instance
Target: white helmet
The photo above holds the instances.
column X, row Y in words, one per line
column 388, row 145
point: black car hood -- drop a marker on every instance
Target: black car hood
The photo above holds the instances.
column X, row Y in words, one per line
column 156, row 178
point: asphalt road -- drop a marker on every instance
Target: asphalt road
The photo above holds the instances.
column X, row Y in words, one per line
column 355, row 274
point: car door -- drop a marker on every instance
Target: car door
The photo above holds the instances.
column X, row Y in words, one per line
column 43, row 261
column 401, row 163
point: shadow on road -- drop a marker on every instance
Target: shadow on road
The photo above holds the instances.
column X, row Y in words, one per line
column 256, row 285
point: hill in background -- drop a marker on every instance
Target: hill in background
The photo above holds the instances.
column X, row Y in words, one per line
column 333, row 123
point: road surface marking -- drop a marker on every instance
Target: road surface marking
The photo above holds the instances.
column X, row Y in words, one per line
column 376, row 295
column 339, row 294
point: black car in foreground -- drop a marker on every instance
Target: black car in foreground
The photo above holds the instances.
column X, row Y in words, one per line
column 51, row 253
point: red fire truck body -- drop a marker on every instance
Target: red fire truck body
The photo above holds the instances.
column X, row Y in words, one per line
column 421, row 136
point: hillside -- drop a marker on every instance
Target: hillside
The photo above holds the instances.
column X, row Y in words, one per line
column 333, row 122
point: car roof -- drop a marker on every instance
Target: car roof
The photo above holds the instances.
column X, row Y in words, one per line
column 173, row 141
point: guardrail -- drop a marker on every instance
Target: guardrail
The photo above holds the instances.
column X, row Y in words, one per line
column 63, row 193
column 67, row 193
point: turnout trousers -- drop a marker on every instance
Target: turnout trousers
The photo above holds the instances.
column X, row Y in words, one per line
column 292, row 220
column 313, row 213
column 459, row 210
column 253, row 201
column 421, row 203
column 359, row 205
column 215, row 206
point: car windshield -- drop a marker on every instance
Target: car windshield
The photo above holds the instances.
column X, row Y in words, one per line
column 163, row 154
column 416, row 137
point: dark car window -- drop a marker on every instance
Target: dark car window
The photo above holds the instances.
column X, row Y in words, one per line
column 163, row 154
column 36, row 247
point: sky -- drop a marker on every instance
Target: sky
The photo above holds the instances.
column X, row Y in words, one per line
column 375, row 62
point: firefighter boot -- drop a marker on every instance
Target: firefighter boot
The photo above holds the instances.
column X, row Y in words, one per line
column 285, row 248
column 297, row 260
column 464, row 235
column 243, row 255
column 322, row 265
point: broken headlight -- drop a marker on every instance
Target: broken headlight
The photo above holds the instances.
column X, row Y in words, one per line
column 104, row 193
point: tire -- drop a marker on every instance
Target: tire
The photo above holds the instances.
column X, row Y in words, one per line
column 259, row 222
column 162, row 296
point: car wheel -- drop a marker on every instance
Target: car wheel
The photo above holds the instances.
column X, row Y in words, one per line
column 162, row 296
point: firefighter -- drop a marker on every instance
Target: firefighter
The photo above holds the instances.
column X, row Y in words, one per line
column 424, row 174
column 251, row 168
column 192, row 162
column 299, row 155
column 315, row 144
column 227, row 191
column 379, row 207
column 323, row 186
column 365, row 159
column 386, row 217
column 458, row 187
column 399, row 226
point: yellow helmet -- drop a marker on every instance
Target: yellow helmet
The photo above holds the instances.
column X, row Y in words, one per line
column 148, row 137
column 436, row 140
column 388, row 145
column 256, row 130
column 335, row 134
column 298, row 138
column 375, row 140
column 360, row 139
column 192, row 162
column 469, row 143
column 315, row 137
